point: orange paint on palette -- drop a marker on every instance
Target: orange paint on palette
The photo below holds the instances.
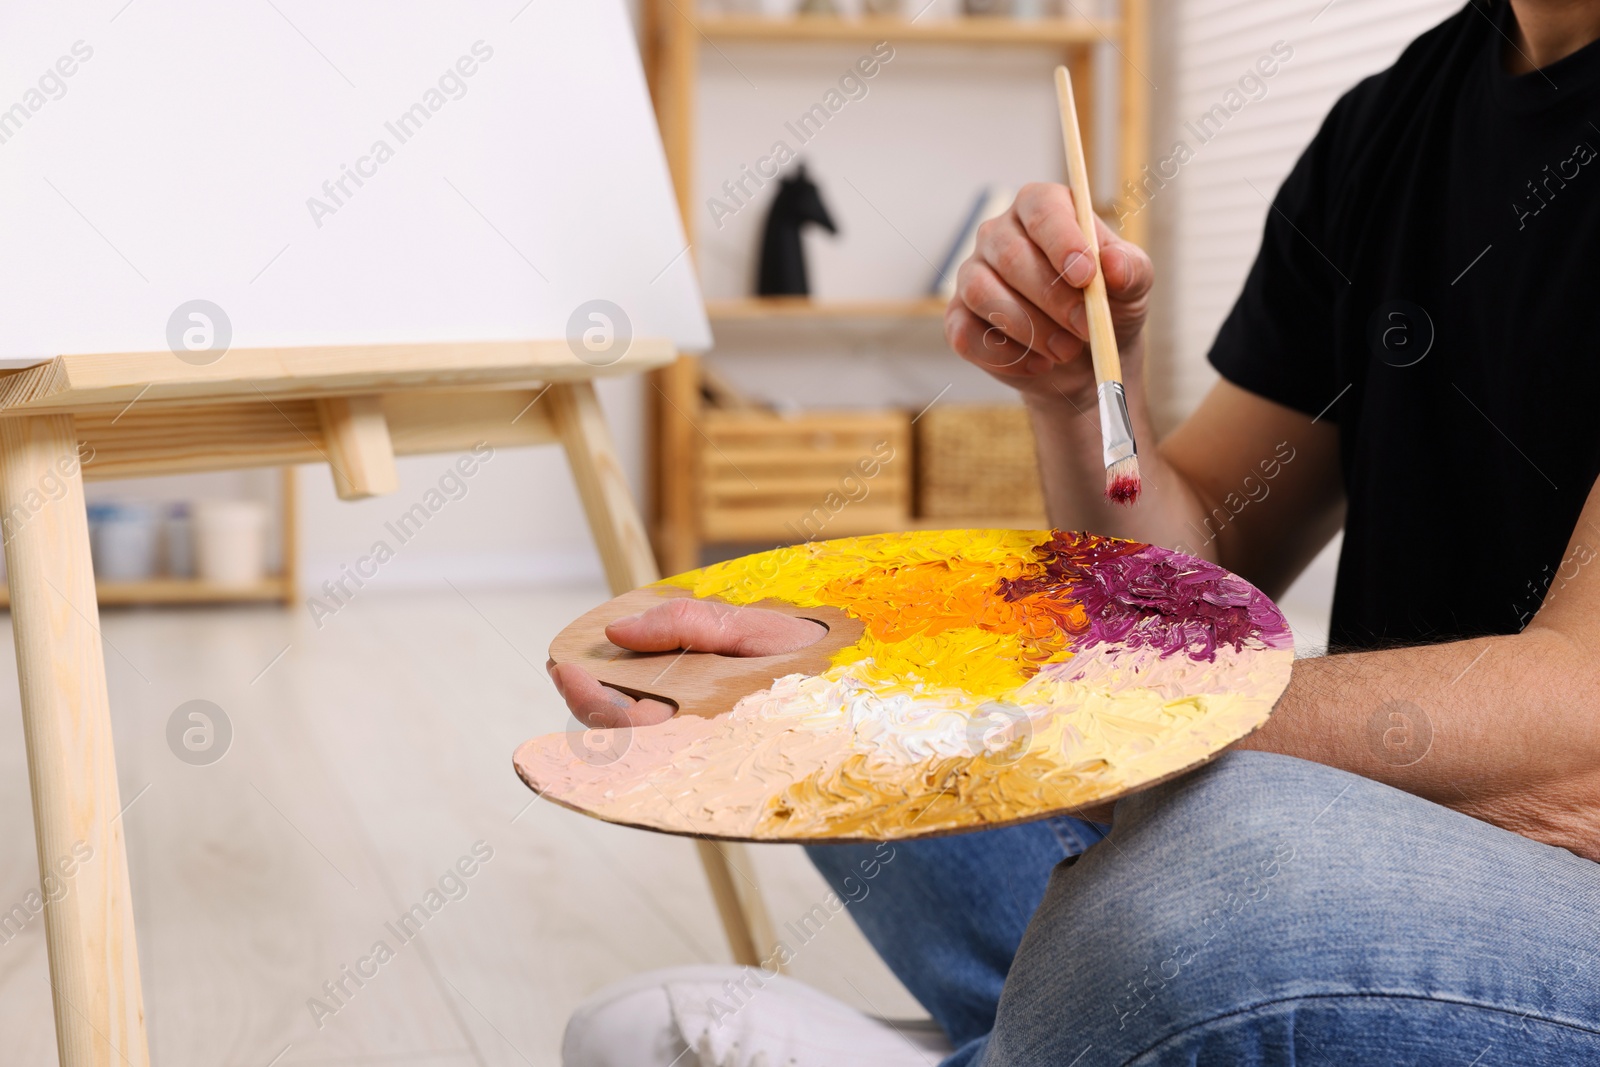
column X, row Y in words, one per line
column 897, row 602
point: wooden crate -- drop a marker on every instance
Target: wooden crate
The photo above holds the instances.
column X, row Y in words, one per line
column 977, row 462
column 811, row 476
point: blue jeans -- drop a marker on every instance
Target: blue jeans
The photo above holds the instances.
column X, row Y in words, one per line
column 1262, row 910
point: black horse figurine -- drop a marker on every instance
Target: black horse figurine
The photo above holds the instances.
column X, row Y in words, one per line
column 783, row 261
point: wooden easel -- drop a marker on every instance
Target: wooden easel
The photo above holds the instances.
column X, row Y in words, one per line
column 355, row 408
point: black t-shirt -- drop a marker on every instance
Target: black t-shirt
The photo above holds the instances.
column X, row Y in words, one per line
column 1427, row 279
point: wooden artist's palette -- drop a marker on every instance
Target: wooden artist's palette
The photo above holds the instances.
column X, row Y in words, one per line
column 968, row 679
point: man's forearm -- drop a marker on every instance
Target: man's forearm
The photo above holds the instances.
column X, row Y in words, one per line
column 1501, row 728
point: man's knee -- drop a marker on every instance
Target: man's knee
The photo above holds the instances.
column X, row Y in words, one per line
column 1262, row 878
column 1174, row 917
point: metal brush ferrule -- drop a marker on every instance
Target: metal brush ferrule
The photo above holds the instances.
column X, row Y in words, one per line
column 1116, row 428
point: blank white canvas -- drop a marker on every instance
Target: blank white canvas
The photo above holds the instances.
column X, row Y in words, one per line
column 187, row 153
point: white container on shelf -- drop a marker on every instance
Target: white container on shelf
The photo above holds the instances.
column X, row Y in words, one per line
column 178, row 534
column 126, row 542
column 230, row 541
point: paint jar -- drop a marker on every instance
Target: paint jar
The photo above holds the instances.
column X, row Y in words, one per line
column 124, row 541
column 230, row 541
column 177, row 533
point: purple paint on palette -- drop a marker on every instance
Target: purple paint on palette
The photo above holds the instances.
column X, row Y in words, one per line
column 1142, row 596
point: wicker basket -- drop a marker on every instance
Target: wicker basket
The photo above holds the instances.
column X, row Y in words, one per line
column 811, row 476
column 977, row 462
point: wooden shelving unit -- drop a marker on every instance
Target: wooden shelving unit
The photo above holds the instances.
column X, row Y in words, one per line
column 281, row 588
column 757, row 308
column 674, row 33
column 987, row 30
column 183, row 591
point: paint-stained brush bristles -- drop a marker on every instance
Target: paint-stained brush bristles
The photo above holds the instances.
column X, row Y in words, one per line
column 1119, row 452
column 1122, row 481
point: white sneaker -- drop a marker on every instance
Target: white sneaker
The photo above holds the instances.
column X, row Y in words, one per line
column 723, row 1016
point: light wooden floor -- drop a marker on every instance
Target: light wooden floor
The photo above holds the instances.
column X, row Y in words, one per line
column 365, row 762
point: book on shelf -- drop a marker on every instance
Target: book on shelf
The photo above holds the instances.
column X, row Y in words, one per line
column 992, row 201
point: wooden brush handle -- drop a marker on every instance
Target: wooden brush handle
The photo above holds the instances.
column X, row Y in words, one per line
column 1097, row 305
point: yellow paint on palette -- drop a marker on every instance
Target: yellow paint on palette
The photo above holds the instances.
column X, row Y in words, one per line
column 1002, row 675
column 927, row 601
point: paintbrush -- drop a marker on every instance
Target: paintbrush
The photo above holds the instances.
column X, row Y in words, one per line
column 1121, row 454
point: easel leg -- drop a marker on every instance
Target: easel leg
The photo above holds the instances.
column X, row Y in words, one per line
column 744, row 914
column 625, row 553
column 676, row 403
column 66, row 717
column 607, row 501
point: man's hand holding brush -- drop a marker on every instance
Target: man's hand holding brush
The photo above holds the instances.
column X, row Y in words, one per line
column 1020, row 314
